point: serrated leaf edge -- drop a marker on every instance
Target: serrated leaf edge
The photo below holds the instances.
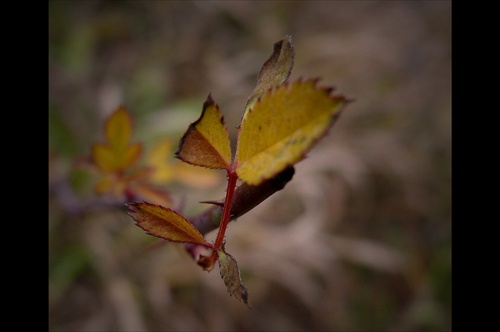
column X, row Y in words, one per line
column 328, row 90
column 192, row 127
column 132, row 206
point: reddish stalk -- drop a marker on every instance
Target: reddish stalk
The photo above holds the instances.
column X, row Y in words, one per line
column 226, row 214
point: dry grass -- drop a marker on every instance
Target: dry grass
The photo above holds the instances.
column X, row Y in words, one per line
column 360, row 239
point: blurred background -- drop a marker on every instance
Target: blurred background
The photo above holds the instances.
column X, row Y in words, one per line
column 359, row 240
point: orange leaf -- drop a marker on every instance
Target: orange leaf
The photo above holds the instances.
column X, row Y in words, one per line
column 206, row 142
column 282, row 126
column 165, row 223
column 117, row 153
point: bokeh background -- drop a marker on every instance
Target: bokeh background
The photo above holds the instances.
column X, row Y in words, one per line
column 359, row 240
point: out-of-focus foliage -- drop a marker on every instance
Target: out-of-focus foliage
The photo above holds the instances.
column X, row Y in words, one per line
column 360, row 239
column 117, row 153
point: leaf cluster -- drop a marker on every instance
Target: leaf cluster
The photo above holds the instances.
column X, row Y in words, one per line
column 281, row 122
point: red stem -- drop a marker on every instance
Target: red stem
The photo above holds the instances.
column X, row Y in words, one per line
column 231, row 184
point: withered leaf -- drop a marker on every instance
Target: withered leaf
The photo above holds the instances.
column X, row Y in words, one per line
column 208, row 262
column 275, row 70
column 230, row 273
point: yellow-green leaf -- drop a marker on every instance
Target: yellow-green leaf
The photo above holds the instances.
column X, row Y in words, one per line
column 274, row 72
column 206, row 141
column 282, row 127
column 230, row 273
column 165, row 223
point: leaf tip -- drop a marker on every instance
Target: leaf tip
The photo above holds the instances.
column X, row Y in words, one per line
column 133, row 208
column 209, row 100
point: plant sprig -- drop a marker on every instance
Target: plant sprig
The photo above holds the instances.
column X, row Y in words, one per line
column 281, row 122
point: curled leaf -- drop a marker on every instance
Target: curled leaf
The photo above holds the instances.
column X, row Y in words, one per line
column 206, row 141
column 165, row 223
column 208, row 262
column 230, row 273
column 282, row 126
column 275, row 70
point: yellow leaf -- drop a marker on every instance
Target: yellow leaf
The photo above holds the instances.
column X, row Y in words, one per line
column 104, row 157
column 111, row 184
column 206, row 142
column 105, row 184
column 164, row 223
column 282, row 127
column 117, row 153
column 118, row 128
column 108, row 159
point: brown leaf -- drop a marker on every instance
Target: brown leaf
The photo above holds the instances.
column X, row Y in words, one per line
column 231, row 275
column 208, row 262
column 275, row 70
